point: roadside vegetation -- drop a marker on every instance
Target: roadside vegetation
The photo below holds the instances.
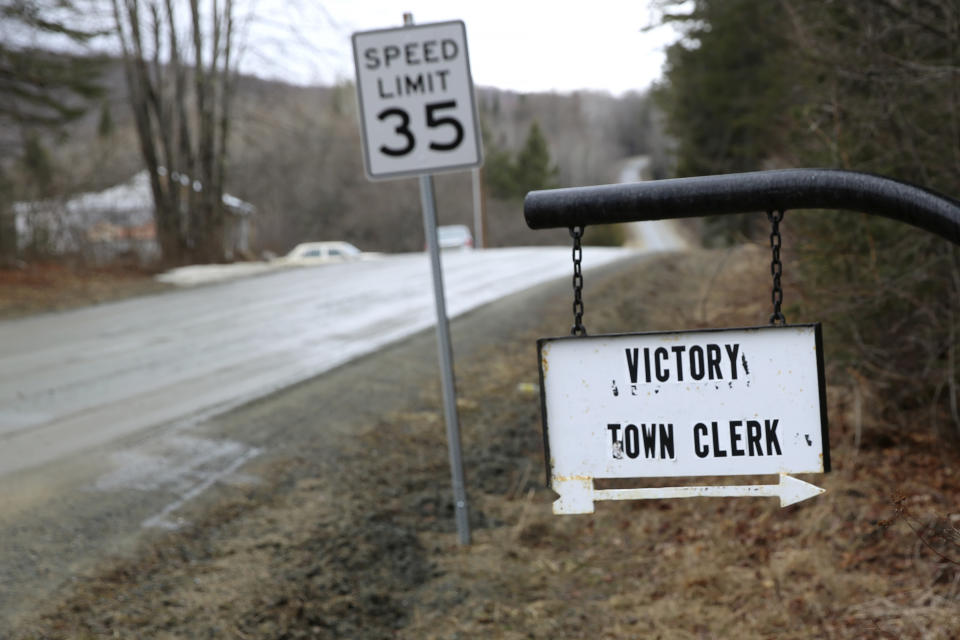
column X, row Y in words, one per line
column 861, row 85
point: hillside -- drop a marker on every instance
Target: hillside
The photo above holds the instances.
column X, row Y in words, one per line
column 295, row 154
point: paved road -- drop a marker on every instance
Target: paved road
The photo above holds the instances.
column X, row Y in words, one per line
column 654, row 235
column 62, row 519
column 128, row 402
column 81, row 379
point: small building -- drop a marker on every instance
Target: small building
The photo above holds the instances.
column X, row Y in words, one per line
column 115, row 223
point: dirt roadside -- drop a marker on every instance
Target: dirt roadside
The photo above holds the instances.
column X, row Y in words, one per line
column 349, row 532
column 46, row 287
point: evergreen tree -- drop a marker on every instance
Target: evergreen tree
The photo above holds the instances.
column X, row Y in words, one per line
column 513, row 175
column 534, row 169
column 727, row 93
column 38, row 89
column 864, row 85
column 37, row 165
column 499, row 172
column 727, row 96
column 105, row 125
column 8, row 231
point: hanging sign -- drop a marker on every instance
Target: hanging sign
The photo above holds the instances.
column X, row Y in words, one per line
column 417, row 108
column 697, row 403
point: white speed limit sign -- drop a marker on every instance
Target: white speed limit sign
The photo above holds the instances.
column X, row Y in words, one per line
column 417, row 110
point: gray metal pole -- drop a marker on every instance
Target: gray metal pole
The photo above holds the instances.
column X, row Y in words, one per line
column 446, row 361
column 479, row 230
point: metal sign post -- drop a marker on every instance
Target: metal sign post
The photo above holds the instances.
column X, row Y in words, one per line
column 774, row 190
column 446, row 362
column 418, row 116
column 479, row 210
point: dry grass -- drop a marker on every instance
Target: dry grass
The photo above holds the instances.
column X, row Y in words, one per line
column 830, row 568
column 41, row 287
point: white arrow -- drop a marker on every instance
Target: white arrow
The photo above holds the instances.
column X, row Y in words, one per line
column 790, row 491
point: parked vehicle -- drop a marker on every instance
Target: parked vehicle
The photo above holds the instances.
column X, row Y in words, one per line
column 308, row 253
column 454, row 236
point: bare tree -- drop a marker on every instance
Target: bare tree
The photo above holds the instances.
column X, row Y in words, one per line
column 180, row 92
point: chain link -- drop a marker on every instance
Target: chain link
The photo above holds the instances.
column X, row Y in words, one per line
column 776, row 267
column 577, row 329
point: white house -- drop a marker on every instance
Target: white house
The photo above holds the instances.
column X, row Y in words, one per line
column 115, row 222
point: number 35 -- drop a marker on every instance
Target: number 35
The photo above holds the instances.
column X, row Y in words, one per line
column 433, row 122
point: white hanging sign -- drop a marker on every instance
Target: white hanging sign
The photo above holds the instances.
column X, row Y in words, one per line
column 696, row 403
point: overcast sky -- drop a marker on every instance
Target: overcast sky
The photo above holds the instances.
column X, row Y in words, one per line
column 522, row 45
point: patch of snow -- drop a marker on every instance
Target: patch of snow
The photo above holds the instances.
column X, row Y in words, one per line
column 203, row 273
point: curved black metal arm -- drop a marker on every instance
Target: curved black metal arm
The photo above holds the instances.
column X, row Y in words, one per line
column 745, row 192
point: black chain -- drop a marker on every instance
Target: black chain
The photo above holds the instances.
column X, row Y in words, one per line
column 776, row 267
column 578, row 329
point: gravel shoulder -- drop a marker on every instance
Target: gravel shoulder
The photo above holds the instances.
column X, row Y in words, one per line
column 342, row 526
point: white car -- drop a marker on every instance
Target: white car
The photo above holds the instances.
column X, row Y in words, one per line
column 454, row 236
column 307, row 253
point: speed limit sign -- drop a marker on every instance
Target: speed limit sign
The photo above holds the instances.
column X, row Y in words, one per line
column 417, row 111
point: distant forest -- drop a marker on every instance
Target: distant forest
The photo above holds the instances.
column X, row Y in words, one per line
column 295, row 155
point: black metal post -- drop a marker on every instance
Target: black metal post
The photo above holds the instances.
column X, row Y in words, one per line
column 786, row 189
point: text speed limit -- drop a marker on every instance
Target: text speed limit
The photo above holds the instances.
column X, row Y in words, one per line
column 417, row 109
